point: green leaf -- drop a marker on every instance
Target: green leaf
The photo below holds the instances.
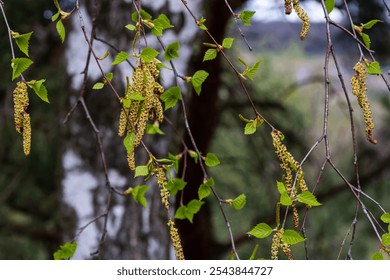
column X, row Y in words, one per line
column 250, row 128
column 374, row 68
column 370, row 24
column 198, row 79
column 291, row 237
column 281, row 187
column 329, row 4
column 22, row 40
column 138, row 194
column 56, row 16
column 201, row 24
column 109, row 76
column 130, row 27
column 66, row 251
column 128, row 142
column 98, row 86
column 171, row 97
column 204, row 191
column 154, row 129
column 366, row 39
column 181, row 213
column 175, row 185
column 144, row 15
column 160, row 24
column 212, row 160
column 252, row 71
column 172, row 51
column 136, row 96
column 175, row 161
column 227, row 43
column 246, row 17
column 239, row 202
column 149, row 54
column 39, row 89
column 120, row 57
column 61, row 30
column 194, row 206
column 194, row 155
column 19, row 65
column 261, row 230
column 285, row 199
column 308, row 198
column 141, row 170
column 386, row 239
column 385, row 218
column 377, row 256
column 210, row 54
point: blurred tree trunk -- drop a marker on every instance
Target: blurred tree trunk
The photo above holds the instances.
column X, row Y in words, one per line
column 203, row 116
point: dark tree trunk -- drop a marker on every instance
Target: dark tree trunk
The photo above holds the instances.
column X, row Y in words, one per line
column 203, row 117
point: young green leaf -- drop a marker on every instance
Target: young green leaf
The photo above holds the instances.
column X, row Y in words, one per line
column 227, row 43
column 329, row 4
column 120, row 57
column 386, row 218
column 212, row 160
column 19, row 65
column 66, row 251
column 182, row 213
column 128, row 142
column 250, row 128
column 374, row 68
column 210, row 54
column 198, row 79
column 308, row 198
column 291, row 237
column 366, row 39
column 194, row 206
column 98, row 85
column 154, row 129
column 281, row 187
column 144, row 15
column 252, row 71
column 175, row 161
column 194, row 155
column 377, row 256
column 130, row 27
column 175, row 185
column 171, row 97
column 61, row 30
column 246, row 17
column 138, row 194
column 136, row 96
column 370, row 24
column 201, row 24
column 39, row 89
column 56, row 16
column 285, row 199
column 386, row 239
column 149, row 54
column 22, row 40
column 261, row 230
column 160, row 24
column 172, row 51
column 205, row 188
column 239, row 202
column 141, row 170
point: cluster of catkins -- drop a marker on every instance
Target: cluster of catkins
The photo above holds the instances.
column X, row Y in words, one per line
column 288, row 5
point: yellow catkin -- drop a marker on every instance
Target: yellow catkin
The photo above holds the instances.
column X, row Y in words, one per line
column 21, row 103
column 162, row 182
column 26, row 134
column 359, row 89
column 286, row 250
column 122, row 122
column 176, row 241
column 295, row 217
column 276, row 242
column 288, row 164
column 304, row 18
column 287, row 7
column 131, row 160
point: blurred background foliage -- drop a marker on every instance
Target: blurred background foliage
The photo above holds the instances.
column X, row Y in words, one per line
column 289, row 91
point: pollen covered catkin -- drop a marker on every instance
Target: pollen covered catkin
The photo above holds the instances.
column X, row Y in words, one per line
column 21, row 117
column 304, row 18
column 359, row 89
column 143, row 103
